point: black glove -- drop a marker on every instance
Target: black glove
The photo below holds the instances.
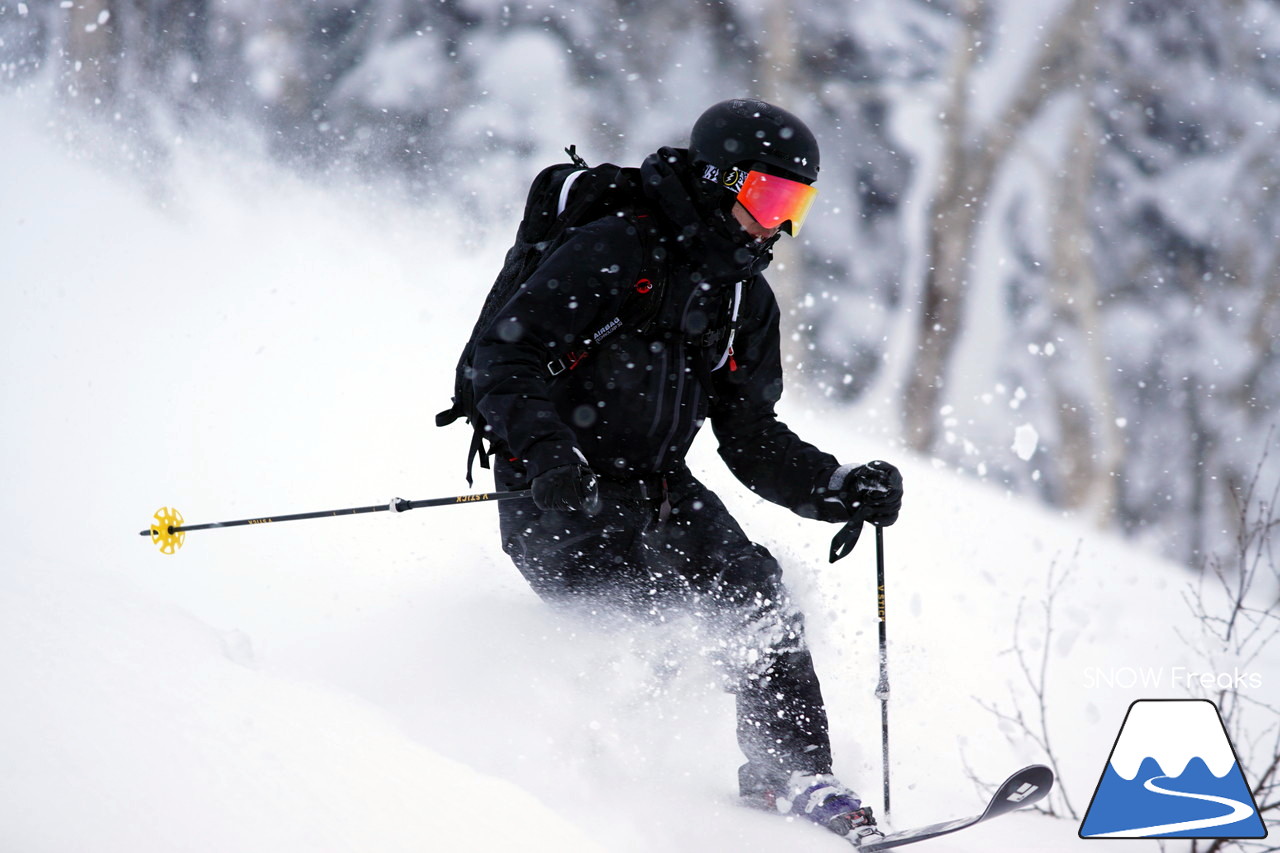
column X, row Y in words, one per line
column 874, row 489
column 567, row 487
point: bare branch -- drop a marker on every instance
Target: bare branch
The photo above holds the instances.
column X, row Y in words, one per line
column 1036, row 677
column 1242, row 630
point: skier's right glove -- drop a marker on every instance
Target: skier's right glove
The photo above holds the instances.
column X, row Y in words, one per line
column 567, row 487
column 874, row 489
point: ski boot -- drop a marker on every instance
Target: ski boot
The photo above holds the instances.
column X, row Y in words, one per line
column 821, row 799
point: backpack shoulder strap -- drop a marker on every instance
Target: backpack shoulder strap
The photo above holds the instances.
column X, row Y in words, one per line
column 642, row 306
column 561, row 198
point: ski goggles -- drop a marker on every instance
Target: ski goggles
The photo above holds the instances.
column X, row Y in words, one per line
column 773, row 200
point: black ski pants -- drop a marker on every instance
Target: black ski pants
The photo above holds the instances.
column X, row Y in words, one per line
column 665, row 547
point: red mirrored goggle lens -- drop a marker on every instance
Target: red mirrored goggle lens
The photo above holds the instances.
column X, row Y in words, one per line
column 773, row 200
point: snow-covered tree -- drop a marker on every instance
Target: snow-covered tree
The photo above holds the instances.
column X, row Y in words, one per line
column 1056, row 221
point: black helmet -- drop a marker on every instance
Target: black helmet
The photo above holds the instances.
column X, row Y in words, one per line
column 746, row 130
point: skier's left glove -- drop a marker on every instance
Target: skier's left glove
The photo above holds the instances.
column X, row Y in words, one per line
column 873, row 489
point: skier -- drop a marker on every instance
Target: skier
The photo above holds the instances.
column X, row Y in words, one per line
column 617, row 521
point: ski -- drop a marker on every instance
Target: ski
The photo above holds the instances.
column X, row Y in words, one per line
column 1029, row 785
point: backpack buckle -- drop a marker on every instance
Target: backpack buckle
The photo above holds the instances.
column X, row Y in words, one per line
column 568, row 361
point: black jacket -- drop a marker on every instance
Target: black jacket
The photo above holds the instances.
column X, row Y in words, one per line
column 633, row 405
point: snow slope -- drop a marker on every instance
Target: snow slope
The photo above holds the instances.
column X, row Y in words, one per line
column 235, row 342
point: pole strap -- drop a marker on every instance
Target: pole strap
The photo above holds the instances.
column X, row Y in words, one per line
column 843, row 542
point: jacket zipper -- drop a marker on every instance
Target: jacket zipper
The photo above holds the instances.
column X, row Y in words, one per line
column 680, row 360
column 677, row 399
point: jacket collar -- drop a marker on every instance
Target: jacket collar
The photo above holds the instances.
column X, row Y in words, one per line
column 716, row 247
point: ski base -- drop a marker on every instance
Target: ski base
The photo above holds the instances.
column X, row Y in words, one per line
column 1029, row 785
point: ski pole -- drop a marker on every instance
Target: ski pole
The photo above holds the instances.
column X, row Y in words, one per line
column 841, row 546
column 882, row 688
column 168, row 532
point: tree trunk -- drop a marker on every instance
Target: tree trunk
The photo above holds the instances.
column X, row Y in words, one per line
column 91, row 58
column 1090, row 446
column 951, row 224
column 777, row 82
column 970, row 163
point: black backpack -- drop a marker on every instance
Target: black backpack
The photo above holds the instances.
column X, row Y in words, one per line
column 561, row 197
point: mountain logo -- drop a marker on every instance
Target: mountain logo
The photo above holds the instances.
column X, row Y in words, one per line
column 1173, row 773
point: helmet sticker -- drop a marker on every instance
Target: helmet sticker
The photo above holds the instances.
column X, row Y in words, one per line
column 731, row 179
column 734, row 179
